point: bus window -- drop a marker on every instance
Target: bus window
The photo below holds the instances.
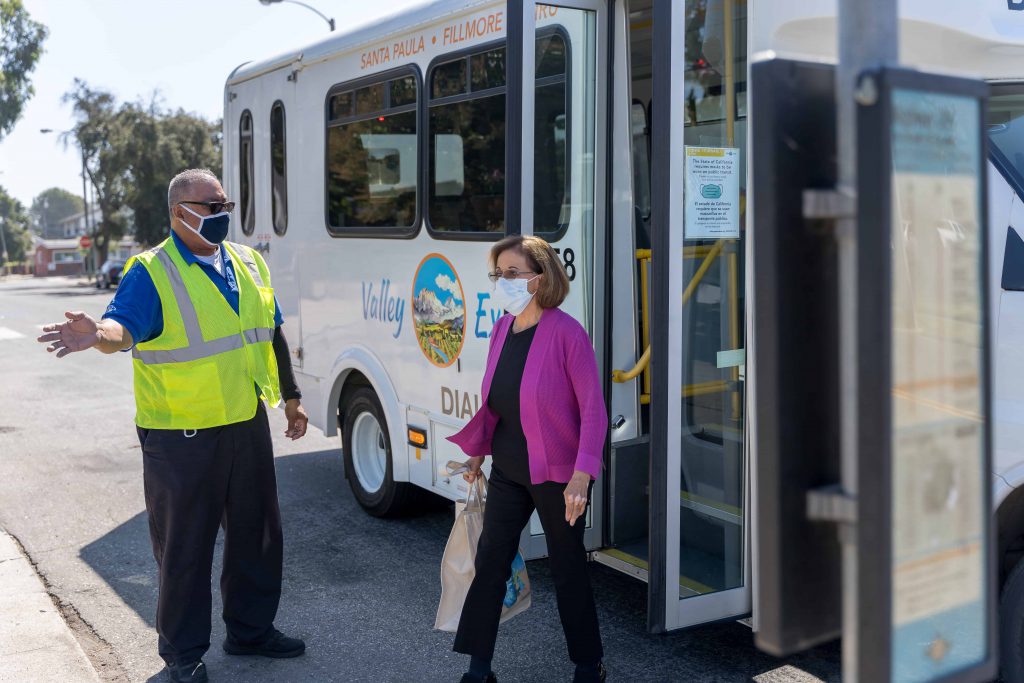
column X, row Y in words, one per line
column 278, row 172
column 1006, row 133
column 466, row 188
column 551, row 179
column 641, row 174
column 247, row 172
column 466, row 152
column 372, row 158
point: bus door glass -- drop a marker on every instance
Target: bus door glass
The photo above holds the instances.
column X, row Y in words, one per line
column 560, row 121
column 704, row 539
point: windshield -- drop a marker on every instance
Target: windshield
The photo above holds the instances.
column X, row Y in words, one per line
column 1006, row 133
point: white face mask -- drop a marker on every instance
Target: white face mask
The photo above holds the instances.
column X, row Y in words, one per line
column 513, row 295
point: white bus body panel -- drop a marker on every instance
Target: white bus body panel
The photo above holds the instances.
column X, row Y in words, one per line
column 332, row 289
column 1005, row 211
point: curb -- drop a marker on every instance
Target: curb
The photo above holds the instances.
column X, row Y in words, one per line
column 35, row 644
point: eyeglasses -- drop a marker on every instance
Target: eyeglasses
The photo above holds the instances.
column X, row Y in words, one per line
column 510, row 274
column 215, row 207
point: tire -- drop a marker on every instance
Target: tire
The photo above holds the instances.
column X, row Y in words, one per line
column 366, row 447
column 1011, row 625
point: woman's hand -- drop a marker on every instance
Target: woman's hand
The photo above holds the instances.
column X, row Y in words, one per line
column 576, row 493
column 474, row 469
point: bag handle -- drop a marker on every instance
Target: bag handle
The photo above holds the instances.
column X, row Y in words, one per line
column 477, row 496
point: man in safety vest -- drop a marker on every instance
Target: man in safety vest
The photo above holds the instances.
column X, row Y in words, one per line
column 204, row 328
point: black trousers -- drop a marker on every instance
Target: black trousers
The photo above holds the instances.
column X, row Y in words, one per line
column 217, row 477
column 509, row 506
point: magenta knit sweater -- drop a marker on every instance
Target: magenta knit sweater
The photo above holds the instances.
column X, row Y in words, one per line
column 561, row 407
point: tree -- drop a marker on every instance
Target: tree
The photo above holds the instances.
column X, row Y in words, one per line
column 21, row 43
column 14, row 223
column 51, row 206
column 103, row 133
column 162, row 145
column 131, row 152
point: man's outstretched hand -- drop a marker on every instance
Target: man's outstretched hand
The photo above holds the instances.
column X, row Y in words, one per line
column 78, row 333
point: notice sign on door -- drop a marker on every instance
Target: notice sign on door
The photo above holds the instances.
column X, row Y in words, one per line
column 712, row 193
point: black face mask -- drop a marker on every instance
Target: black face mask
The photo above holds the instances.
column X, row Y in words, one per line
column 212, row 229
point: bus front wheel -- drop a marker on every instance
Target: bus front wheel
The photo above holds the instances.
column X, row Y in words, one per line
column 366, row 447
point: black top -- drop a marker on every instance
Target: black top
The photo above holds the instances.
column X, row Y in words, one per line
column 286, row 377
column 508, row 446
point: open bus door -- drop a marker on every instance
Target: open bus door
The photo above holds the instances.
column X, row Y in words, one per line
column 556, row 52
column 695, row 549
column 699, row 545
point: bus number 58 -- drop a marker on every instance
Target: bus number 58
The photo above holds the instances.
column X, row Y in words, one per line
column 568, row 261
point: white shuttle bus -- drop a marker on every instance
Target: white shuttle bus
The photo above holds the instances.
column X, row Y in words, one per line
column 374, row 170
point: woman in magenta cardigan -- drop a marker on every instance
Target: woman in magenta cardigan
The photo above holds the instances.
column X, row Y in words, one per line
column 544, row 422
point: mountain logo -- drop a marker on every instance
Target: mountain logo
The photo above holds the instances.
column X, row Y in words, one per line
column 438, row 310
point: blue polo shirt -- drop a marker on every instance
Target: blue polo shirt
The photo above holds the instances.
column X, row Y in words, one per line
column 136, row 305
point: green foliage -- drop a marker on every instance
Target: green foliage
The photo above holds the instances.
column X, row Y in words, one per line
column 132, row 150
column 164, row 144
column 51, row 206
column 21, row 43
column 102, row 133
column 14, row 223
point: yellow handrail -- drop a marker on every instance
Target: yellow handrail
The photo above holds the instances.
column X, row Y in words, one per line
column 620, row 376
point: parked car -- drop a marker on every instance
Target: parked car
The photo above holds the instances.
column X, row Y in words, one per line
column 110, row 274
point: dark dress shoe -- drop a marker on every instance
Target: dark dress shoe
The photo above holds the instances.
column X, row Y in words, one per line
column 277, row 646
column 192, row 672
column 591, row 677
column 470, row 678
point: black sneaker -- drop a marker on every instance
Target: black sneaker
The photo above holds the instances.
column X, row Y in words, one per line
column 590, row 677
column 277, row 646
column 191, row 672
column 470, row 678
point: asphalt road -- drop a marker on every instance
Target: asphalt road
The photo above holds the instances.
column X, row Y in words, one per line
column 361, row 591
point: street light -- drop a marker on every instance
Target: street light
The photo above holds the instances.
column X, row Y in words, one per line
column 330, row 22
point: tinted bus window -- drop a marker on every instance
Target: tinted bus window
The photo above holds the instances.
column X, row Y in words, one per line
column 372, row 158
column 247, row 172
column 466, row 150
column 467, row 144
column 551, row 114
column 278, row 169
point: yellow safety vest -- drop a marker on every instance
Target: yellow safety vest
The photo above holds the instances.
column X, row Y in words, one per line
column 201, row 370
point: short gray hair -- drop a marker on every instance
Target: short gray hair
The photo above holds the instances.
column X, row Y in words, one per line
column 183, row 182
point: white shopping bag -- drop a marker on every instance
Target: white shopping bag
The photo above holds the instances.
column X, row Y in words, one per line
column 458, row 564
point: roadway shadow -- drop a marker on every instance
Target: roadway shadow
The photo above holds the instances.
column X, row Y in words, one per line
column 363, row 593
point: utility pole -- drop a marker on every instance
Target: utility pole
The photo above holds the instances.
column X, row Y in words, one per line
column 868, row 34
column 3, row 245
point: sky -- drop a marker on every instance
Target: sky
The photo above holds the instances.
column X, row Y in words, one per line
column 132, row 48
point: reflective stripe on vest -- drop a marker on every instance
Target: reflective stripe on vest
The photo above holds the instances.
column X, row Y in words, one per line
column 197, row 347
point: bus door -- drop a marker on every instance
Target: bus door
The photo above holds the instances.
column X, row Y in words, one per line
column 559, row 55
column 699, row 545
column 278, row 134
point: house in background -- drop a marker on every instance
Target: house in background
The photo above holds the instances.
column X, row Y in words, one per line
column 72, row 226
column 65, row 257
column 58, row 257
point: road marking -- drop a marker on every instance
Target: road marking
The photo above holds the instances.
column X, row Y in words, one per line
column 7, row 333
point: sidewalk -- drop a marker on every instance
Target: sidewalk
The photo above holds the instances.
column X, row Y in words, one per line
column 35, row 643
